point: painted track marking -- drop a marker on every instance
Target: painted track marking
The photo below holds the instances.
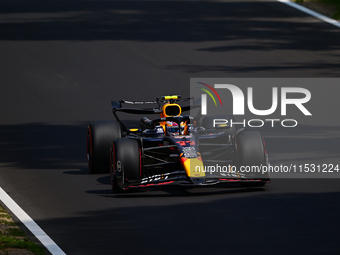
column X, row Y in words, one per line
column 30, row 224
column 312, row 13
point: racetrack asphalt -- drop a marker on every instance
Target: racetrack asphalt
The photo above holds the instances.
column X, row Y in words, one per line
column 62, row 62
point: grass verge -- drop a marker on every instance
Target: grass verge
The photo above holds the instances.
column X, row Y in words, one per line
column 12, row 237
column 330, row 8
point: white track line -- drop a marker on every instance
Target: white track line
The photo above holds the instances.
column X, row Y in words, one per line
column 30, row 224
column 312, row 13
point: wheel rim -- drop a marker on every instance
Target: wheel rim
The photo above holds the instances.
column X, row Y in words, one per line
column 89, row 153
column 112, row 164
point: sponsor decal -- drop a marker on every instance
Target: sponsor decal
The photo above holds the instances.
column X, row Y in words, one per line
column 189, row 152
column 156, row 177
column 119, row 166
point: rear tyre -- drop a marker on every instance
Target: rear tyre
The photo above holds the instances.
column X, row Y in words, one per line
column 100, row 135
column 126, row 159
column 251, row 153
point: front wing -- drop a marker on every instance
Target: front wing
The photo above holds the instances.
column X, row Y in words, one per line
column 180, row 178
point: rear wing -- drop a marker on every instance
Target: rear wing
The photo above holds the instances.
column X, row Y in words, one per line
column 117, row 106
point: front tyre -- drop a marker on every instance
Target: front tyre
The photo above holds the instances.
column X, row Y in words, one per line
column 113, row 176
column 126, row 162
column 251, row 154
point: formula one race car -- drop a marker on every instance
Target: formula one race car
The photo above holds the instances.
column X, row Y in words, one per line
column 174, row 148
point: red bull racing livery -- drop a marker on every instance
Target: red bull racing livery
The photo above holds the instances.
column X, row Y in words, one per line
column 174, row 148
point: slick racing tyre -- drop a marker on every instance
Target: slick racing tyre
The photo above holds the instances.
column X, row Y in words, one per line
column 100, row 135
column 250, row 148
column 251, row 154
column 126, row 161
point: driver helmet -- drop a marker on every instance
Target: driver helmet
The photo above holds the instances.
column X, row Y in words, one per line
column 173, row 129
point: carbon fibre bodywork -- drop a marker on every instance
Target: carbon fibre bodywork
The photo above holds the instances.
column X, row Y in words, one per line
column 195, row 157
